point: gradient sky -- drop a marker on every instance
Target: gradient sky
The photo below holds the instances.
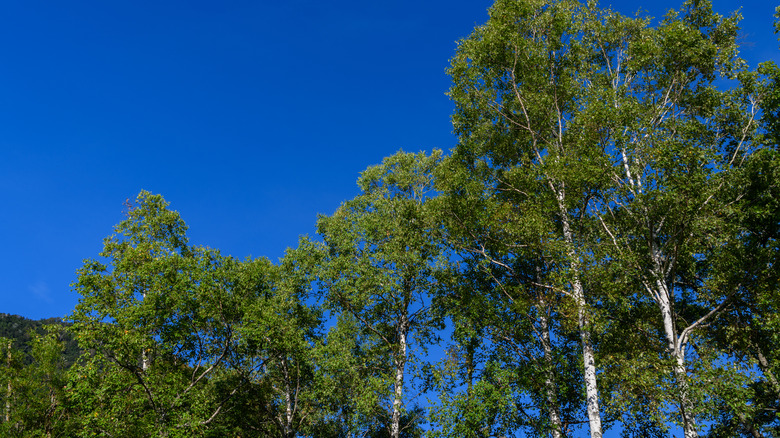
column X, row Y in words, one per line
column 250, row 118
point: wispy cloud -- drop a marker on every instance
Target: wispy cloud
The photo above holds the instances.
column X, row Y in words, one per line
column 41, row 291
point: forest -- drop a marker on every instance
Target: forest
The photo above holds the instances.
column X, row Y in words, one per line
column 597, row 256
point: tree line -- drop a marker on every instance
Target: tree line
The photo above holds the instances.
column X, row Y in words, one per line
column 22, row 332
column 599, row 251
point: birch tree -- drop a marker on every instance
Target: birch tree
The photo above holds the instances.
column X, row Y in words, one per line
column 618, row 125
column 522, row 83
column 513, row 355
column 382, row 264
column 38, row 404
column 746, row 263
column 273, row 362
column 675, row 137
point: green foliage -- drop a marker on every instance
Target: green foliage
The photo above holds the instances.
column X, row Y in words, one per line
column 34, row 397
column 522, row 188
column 22, row 331
column 595, row 148
column 156, row 322
column 181, row 339
column 602, row 245
column 382, row 266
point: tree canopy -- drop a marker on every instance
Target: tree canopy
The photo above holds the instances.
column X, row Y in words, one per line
column 597, row 255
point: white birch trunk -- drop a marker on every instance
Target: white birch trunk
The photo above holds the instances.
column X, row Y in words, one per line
column 578, row 293
column 10, row 389
column 550, row 384
column 686, row 409
column 145, row 361
column 589, row 361
column 675, row 346
column 400, row 363
column 287, row 401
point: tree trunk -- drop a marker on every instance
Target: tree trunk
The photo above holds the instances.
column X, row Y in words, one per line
column 578, row 293
column 591, row 387
column 763, row 363
column 145, row 361
column 550, row 383
column 748, row 426
column 400, row 363
column 8, row 393
column 288, row 432
column 675, row 348
column 686, row 409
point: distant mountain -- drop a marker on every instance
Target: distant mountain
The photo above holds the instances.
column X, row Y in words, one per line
column 19, row 329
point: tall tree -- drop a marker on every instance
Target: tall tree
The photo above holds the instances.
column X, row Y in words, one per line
column 12, row 363
column 674, row 138
column 513, row 344
column 746, row 264
column 618, row 134
column 382, row 264
column 521, row 93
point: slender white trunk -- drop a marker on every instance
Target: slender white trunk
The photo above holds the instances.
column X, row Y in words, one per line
column 676, row 349
column 10, row 389
column 400, row 363
column 287, row 401
column 591, row 387
column 550, row 383
column 578, row 293
column 686, row 409
column 145, row 360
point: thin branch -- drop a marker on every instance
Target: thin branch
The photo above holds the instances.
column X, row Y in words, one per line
column 683, row 338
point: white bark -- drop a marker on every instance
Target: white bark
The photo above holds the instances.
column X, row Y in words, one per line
column 400, row 364
column 550, row 384
column 676, row 345
column 686, row 408
column 288, row 411
column 145, row 360
column 10, row 389
column 578, row 293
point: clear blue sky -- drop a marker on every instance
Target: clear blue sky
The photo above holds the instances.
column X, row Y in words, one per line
column 249, row 117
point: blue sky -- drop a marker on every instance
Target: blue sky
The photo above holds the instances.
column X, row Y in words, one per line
column 249, row 117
